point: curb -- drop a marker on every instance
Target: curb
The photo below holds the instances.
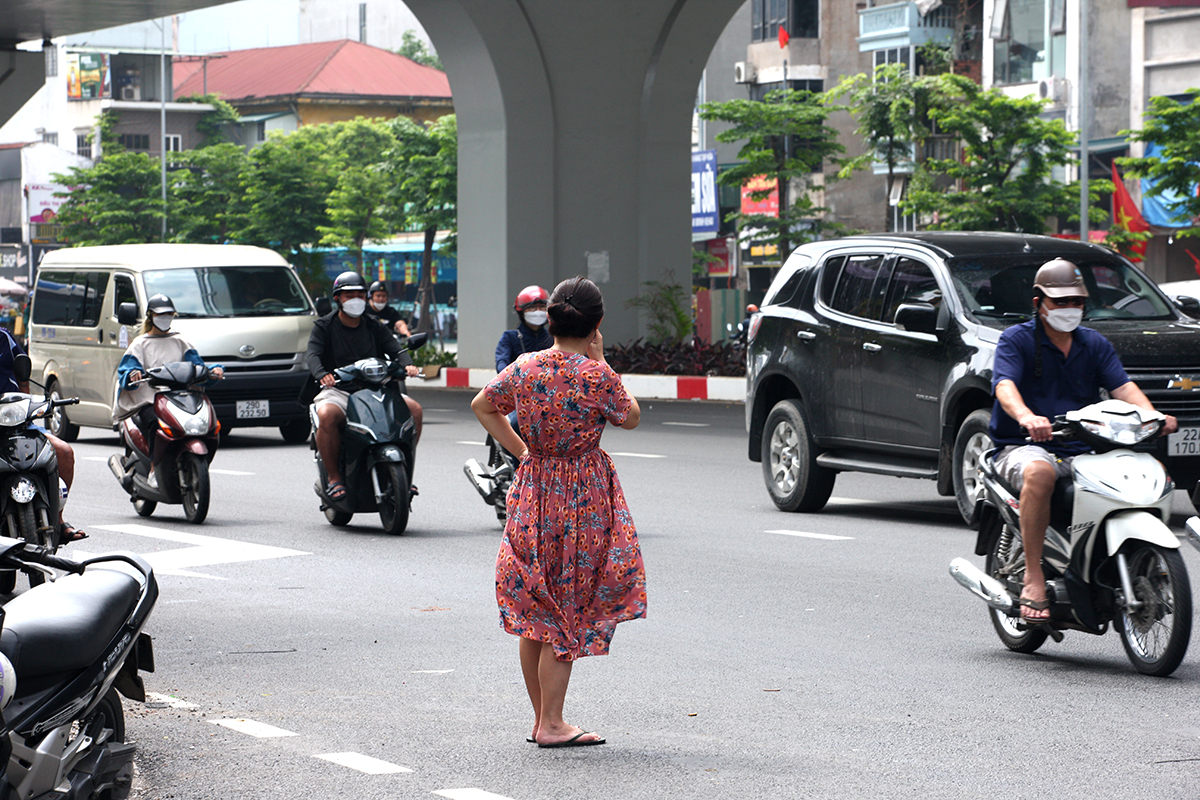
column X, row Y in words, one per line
column 650, row 387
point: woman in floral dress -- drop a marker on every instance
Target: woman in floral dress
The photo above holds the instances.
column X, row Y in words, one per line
column 569, row 567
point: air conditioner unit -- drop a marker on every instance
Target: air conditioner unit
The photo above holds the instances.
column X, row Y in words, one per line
column 743, row 72
column 1053, row 89
column 131, row 92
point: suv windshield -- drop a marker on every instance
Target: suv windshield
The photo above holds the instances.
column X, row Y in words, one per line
column 998, row 290
column 230, row 291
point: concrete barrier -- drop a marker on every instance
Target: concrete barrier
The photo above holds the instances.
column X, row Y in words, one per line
column 650, row 387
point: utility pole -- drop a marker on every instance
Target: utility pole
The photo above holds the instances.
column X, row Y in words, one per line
column 1084, row 120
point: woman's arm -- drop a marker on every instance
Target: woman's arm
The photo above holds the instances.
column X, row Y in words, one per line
column 498, row 426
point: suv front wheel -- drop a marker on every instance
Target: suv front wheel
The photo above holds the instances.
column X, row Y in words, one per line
column 789, row 458
column 970, row 444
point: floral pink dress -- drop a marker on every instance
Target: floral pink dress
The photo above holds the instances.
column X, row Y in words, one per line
column 569, row 567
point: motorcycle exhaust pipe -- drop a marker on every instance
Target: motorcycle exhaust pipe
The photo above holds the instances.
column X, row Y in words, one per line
column 983, row 586
column 476, row 473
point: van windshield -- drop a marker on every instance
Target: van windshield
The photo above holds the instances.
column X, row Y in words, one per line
column 230, row 291
column 998, row 290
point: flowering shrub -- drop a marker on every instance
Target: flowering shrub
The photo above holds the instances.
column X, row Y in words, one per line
column 723, row 359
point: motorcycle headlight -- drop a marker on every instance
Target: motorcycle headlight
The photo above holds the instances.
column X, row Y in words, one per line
column 1124, row 431
column 373, row 371
column 14, row 413
column 22, row 491
column 8, row 681
column 197, row 425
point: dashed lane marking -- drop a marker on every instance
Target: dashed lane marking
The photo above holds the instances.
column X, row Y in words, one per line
column 808, row 535
column 637, row 455
column 260, row 730
column 202, row 551
column 155, row 700
column 371, row 766
column 470, row 794
column 212, row 470
column 689, row 424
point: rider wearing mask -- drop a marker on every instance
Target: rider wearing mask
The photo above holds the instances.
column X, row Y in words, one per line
column 157, row 345
column 337, row 340
column 531, row 334
column 1046, row 367
column 377, row 306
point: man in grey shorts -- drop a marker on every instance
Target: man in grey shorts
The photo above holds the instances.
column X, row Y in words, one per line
column 1046, row 367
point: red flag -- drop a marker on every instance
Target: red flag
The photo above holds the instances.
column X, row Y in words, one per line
column 1126, row 214
column 783, row 36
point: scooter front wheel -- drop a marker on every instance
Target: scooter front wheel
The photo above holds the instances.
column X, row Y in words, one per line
column 194, row 487
column 393, row 505
column 1156, row 634
column 28, row 532
column 336, row 517
column 144, row 508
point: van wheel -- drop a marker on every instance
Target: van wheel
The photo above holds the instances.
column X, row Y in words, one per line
column 59, row 425
column 970, row 444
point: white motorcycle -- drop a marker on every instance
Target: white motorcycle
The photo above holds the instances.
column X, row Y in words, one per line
column 1109, row 555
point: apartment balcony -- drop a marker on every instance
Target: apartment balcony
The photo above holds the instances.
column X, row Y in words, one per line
column 901, row 25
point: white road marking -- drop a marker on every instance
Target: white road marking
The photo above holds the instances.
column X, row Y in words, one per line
column 637, row 455
column 155, row 700
column 228, row 472
column 807, row 535
column 203, row 550
column 431, row 671
column 249, row 727
column 689, row 424
column 475, row 443
column 470, row 794
column 371, row 766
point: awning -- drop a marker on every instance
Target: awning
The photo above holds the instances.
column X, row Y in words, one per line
column 1112, row 144
column 263, row 117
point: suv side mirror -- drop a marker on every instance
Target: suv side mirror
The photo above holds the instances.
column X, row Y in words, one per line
column 22, row 367
column 917, row 317
column 127, row 313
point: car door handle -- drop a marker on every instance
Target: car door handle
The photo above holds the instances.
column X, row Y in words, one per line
column 807, row 336
column 871, row 347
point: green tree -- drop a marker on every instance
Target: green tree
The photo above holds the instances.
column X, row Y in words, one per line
column 1174, row 127
column 891, row 107
column 117, row 201
column 423, row 174
column 206, row 193
column 669, row 307
column 1005, row 171
column 414, row 48
column 786, row 140
column 214, row 125
column 356, row 205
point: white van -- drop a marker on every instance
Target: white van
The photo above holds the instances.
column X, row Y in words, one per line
column 242, row 307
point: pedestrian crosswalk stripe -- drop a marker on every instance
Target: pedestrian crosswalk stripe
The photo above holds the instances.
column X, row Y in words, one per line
column 371, row 766
column 808, row 535
column 470, row 794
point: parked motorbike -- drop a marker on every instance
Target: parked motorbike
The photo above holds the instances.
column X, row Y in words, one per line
column 30, row 494
column 170, row 465
column 1109, row 556
column 66, row 649
column 493, row 481
column 378, row 444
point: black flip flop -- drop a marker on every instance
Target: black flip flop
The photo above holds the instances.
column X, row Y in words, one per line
column 68, row 534
column 575, row 742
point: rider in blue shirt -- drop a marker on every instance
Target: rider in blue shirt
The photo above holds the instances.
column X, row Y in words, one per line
column 531, row 334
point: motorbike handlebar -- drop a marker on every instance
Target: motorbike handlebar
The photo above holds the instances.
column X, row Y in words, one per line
column 36, row 554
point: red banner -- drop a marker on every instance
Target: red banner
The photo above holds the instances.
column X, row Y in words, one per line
column 1126, row 214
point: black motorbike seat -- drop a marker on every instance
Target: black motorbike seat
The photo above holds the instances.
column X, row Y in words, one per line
column 1062, row 501
column 66, row 625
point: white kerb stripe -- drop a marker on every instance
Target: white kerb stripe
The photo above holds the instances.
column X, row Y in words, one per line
column 470, row 794
column 249, row 727
column 371, row 766
column 811, row 535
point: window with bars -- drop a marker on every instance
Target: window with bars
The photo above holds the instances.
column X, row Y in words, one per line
column 83, row 144
column 134, row 141
column 800, row 18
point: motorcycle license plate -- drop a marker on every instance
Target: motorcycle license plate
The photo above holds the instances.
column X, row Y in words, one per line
column 253, row 409
column 1184, row 442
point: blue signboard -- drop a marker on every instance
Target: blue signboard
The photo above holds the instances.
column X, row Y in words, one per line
column 705, row 214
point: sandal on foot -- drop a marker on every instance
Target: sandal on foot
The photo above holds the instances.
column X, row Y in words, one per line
column 576, row 741
column 66, row 533
column 335, row 490
column 1036, row 605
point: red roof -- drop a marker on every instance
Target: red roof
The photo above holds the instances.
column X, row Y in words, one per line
column 342, row 68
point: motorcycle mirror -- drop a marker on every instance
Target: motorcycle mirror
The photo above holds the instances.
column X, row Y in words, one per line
column 417, row 340
column 22, row 368
column 127, row 314
column 324, row 306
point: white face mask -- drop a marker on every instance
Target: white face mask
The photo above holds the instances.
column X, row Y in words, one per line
column 1064, row 319
column 355, row 306
column 163, row 321
column 535, row 318
column 378, row 306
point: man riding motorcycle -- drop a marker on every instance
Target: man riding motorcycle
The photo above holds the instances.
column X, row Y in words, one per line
column 1046, row 367
column 337, row 340
column 530, row 334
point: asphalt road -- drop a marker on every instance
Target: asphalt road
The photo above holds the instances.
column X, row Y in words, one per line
column 784, row 656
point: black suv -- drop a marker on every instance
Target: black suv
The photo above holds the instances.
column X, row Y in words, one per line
column 874, row 354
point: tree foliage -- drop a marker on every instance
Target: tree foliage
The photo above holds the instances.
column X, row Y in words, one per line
column 787, row 140
column 207, row 194
column 414, row 48
column 357, row 204
column 118, row 201
column 1174, row 127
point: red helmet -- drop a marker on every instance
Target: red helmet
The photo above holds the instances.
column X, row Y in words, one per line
column 530, row 295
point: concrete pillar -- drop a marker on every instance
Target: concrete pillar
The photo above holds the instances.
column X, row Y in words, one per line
column 574, row 137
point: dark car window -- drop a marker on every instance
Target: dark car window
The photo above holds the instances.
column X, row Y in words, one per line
column 855, row 293
column 789, row 293
column 998, row 290
column 912, row 282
